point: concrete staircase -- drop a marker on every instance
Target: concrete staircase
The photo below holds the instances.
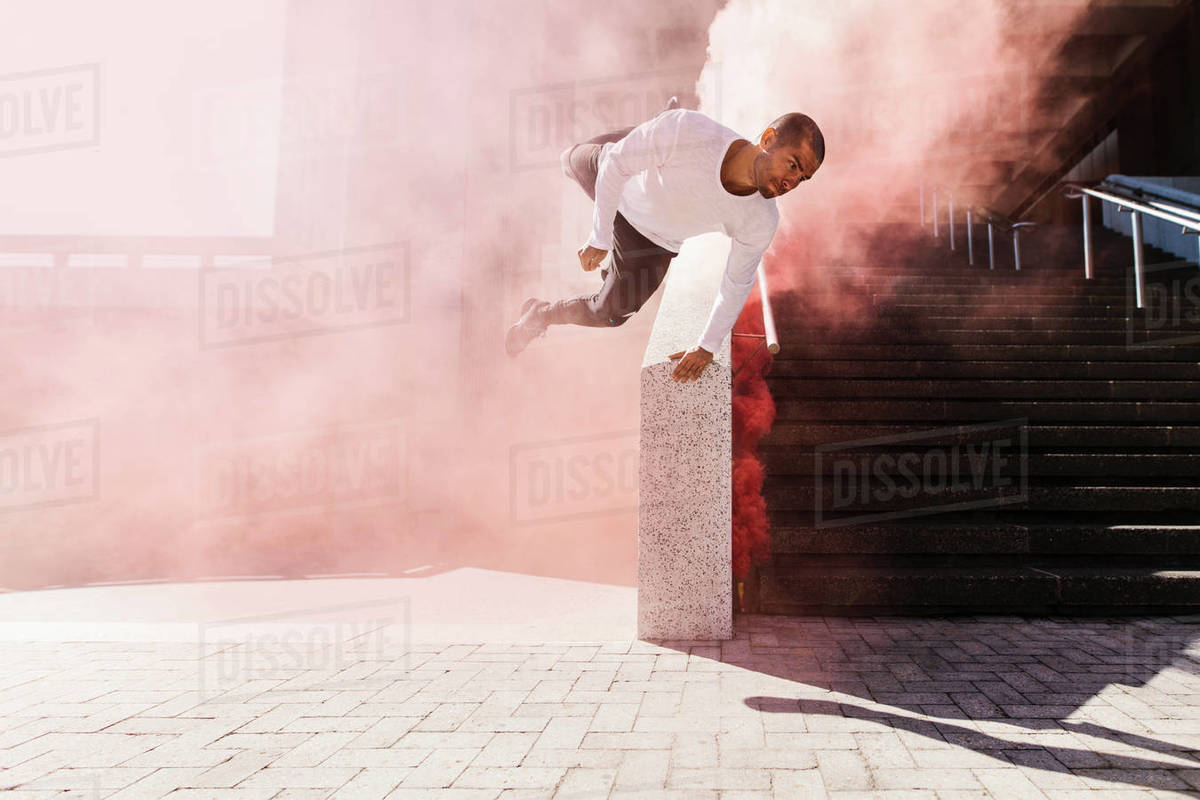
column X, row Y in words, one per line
column 1062, row 429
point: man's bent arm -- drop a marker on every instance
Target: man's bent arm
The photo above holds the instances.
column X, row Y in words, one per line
column 649, row 144
column 741, row 269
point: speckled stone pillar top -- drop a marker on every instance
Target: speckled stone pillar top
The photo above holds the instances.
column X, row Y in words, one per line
column 686, row 450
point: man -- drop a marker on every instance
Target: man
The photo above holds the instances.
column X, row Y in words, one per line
column 677, row 175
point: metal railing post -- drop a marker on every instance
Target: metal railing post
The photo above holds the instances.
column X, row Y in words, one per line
column 935, row 216
column 1186, row 232
column 950, row 216
column 1087, row 237
column 991, row 246
column 1017, row 227
column 1138, row 267
column 1135, row 204
column 970, row 242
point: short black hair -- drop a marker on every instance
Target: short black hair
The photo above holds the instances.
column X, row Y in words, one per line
column 793, row 128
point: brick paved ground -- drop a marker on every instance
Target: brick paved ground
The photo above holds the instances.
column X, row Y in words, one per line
column 792, row 707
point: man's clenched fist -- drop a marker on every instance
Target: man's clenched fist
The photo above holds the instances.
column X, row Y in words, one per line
column 590, row 258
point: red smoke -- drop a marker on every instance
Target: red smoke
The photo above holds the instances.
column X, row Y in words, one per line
column 753, row 414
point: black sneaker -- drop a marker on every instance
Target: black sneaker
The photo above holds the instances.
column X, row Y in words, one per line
column 527, row 328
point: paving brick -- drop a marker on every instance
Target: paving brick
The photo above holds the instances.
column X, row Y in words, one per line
column 665, row 794
column 682, row 724
column 316, row 749
column 439, row 769
column 882, row 750
column 614, row 717
column 371, row 783
column 637, row 740
column 88, row 779
column 693, row 749
column 377, row 757
column 563, row 732
column 741, row 733
column 384, row 733
column 446, row 717
column 892, row 778
column 762, row 758
column 1008, row 783
column 158, row 783
column 505, row 750
column 718, row 778
column 550, row 691
column 510, row 777
column 843, row 770
column 300, row 777
column 1149, row 778
column 330, row 724
column 909, row 794
column 798, row 784
column 584, row 783
column 239, row 793
column 1044, row 770
column 406, row 793
column 455, row 740
column 556, row 757
column 644, row 770
column 958, row 758
column 811, row 741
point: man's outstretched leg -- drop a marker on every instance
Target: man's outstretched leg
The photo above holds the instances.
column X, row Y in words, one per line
column 638, row 265
column 638, row 268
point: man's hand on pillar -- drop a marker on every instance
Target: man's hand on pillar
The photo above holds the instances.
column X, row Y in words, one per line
column 691, row 364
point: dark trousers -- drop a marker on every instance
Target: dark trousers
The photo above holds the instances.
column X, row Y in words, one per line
column 638, row 265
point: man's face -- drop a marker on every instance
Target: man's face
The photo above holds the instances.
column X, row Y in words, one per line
column 780, row 167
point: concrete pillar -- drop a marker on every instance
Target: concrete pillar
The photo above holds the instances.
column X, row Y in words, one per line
column 685, row 572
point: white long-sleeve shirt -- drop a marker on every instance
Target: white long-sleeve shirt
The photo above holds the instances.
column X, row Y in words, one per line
column 665, row 179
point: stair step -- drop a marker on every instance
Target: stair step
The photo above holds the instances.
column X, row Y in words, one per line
column 951, row 271
column 794, row 494
column 880, row 590
column 1107, row 310
column 785, row 368
column 1007, row 352
column 791, row 461
column 1040, row 437
column 952, row 280
column 969, row 411
column 808, row 590
column 887, row 285
column 783, row 388
column 974, row 287
column 805, row 325
column 1005, row 298
column 948, row 538
column 1113, row 336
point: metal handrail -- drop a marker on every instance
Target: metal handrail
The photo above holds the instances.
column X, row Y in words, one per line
column 1188, row 219
column 768, row 316
column 768, row 336
column 992, row 219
